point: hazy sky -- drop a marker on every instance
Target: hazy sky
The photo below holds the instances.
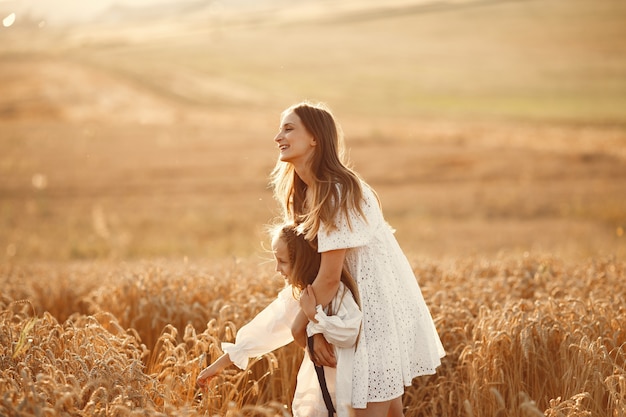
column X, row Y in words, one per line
column 64, row 10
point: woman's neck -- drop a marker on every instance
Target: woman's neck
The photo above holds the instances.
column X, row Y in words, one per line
column 305, row 175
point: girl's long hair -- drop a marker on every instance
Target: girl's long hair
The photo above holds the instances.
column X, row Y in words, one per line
column 336, row 187
column 305, row 261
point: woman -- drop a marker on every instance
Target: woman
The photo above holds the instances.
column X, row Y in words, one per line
column 332, row 203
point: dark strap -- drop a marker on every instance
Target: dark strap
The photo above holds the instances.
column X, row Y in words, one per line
column 319, row 370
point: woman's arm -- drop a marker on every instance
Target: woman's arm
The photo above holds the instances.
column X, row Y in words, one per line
column 324, row 288
column 328, row 277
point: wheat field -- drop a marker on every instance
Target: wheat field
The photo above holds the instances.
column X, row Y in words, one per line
column 524, row 337
column 134, row 163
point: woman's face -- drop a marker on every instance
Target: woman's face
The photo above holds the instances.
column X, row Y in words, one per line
column 281, row 255
column 295, row 143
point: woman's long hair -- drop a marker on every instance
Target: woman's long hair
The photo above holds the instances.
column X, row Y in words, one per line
column 336, row 187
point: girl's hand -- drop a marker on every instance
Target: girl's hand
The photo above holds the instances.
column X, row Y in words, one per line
column 205, row 376
column 308, row 303
column 212, row 370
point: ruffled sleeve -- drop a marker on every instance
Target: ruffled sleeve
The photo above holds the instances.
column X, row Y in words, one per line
column 267, row 331
column 341, row 329
column 354, row 230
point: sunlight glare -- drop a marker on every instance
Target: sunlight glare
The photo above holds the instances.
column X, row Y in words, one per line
column 39, row 181
column 9, row 20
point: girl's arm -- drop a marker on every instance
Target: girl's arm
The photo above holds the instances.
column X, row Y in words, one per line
column 267, row 331
column 298, row 329
column 343, row 327
column 215, row 368
column 324, row 352
column 308, row 303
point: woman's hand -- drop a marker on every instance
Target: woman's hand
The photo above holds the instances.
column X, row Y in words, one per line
column 308, row 303
column 323, row 352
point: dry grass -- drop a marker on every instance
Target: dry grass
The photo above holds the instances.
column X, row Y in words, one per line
column 525, row 337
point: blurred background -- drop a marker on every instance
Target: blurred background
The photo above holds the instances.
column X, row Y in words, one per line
column 134, row 129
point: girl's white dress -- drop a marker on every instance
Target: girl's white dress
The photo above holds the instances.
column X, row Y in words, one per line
column 271, row 329
column 398, row 339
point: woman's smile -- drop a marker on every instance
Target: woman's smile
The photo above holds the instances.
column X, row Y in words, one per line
column 295, row 143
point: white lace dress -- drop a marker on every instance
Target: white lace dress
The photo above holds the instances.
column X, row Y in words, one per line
column 398, row 341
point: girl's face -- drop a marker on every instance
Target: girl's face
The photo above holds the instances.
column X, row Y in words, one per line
column 281, row 255
column 295, row 143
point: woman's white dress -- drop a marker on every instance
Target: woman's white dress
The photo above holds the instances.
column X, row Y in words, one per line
column 271, row 329
column 398, row 341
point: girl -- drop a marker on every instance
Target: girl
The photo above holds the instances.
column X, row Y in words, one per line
column 297, row 260
column 332, row 203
